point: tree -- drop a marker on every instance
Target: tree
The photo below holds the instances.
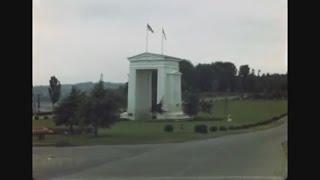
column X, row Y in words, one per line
column 204, row 77
column 122, row 92
column 101, row 109
column 226, row 72
column 244, row 71
column 218, row 76
column 66, row 112
column 188, row 75
column 191, row 103
column 54, row 90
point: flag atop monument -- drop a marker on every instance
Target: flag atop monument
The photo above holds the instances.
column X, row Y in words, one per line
column 149, row 28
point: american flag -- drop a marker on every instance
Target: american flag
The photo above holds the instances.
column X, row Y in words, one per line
column 164, row 34
column 149, row 28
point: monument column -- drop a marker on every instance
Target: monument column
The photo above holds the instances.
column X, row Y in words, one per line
column 132, row 92
column 161, row 89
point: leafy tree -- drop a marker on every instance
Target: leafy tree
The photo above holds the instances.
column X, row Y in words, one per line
column 204, row 77
column 54, row 90
column 122, row 92
column 188, row 75
column 66, row 112
column 244, row 71
column 218, row 76
column 191, row 103
column 101, row 109
column 226, row 72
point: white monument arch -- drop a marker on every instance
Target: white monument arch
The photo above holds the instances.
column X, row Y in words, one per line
column 154, row 79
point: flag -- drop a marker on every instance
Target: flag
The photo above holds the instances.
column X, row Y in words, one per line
column 149, row 28
column 164, row 34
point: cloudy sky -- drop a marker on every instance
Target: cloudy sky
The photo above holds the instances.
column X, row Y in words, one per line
column 76, row 40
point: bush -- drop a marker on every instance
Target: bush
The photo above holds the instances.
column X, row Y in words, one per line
column 191, row 103
column 168, row 128
column 201, row 129
column 213, row 128
column 36, row 117
column 222, row 128
column 236, row 127
column 231, row 128
column 244, row 126
column 62, row 143
column 206, row 106
column 45, row 117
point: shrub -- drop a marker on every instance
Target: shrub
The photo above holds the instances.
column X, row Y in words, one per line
column 36, row 117
column 168, row 128
column 191, row 103
column 236, row 127
column 213, row 128
column 244, row 126
column 62, row 143
column 206, row 106
column 249, row 125
column 45, row 117
column 201, row 129
column 231, row 127
column 222, row 128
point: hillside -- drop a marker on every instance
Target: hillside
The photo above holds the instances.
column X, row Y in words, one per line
column 66, row 88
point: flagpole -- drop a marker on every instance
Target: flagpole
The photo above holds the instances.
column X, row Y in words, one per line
column 147, row 40
column 162, row 44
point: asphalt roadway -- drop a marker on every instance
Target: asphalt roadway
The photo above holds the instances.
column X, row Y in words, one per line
column 254, row 155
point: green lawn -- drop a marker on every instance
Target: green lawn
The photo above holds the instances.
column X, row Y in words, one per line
column 247, row 111
column 43, row 123
column 133, row 132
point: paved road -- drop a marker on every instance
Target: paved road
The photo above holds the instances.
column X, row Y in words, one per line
column 255, row 155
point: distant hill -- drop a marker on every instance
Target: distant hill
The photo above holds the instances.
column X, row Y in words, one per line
column 66, row 88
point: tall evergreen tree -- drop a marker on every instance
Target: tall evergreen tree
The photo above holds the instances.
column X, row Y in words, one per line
column 54, row 90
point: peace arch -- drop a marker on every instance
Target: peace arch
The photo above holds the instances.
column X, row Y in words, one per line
column 154, row 79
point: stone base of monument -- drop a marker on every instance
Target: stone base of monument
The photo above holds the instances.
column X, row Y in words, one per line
column 158, row 116
column 125, row 115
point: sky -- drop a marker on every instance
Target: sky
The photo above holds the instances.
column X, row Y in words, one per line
column 77, row 40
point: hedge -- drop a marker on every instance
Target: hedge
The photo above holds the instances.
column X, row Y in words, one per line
column 168, row 128
column 203, row 129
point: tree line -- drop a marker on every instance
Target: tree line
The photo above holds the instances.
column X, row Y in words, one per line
column 225, row 77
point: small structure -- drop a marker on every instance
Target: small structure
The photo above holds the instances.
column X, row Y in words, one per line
column 154, row 80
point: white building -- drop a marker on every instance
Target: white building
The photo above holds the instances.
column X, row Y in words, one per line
column 154, row 79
